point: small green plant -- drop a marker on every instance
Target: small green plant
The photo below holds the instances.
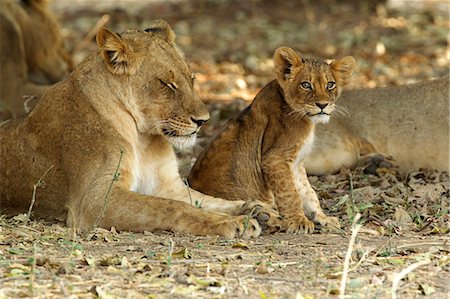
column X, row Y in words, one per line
column 197, row 204
column 72, row 247
column 150, row 254
column 170, row 246
column 115, row 178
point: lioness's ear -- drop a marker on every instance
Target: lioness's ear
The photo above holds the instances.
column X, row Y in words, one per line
column 343, row 69
column 162, row 29
column 287, row 63
column 115, row 52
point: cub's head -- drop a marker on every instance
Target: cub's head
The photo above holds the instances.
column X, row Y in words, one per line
column 48, row 61
column 156, row 83
column 311, row 86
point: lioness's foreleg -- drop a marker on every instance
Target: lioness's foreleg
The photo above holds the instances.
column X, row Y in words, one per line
column 127, row 210
column 264, row 213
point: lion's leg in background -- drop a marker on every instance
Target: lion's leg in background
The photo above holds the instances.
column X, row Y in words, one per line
column 127, row 210
column 336, row 147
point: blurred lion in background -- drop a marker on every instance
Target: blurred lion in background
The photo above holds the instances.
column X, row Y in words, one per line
column 32, row 54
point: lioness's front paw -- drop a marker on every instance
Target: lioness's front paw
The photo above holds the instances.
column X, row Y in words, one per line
column 268, row 217
column 299, row 223
column 246, row 227
column 238, row 227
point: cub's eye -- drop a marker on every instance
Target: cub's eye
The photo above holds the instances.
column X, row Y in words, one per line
column 331, row 85
column 306, row 85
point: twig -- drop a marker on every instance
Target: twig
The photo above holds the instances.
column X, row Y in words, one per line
column 363, row 257
column 241, row 283
column 62, row 287
column 356, row 227
column 90, row 35
column 398, row 277
column 352, row 192
column 105, row 202
column 271, row 278
column 33, row 197
column 421, row 244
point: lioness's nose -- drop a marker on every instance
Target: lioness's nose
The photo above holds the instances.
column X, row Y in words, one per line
column 199, row 122
column 321, row 105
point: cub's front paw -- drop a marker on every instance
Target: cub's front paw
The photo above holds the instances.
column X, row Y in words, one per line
column 268, row 217
column 298, row 224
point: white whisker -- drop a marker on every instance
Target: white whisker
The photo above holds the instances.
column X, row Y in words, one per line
column 341, row 112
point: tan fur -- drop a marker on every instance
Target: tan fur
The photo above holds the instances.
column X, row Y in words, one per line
column 32, row 54
column 409, row 123
column 134, row 95
column 258, row 155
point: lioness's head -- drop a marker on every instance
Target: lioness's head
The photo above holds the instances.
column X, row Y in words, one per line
column 48, row 61
column 311, row 86
column 157, row 80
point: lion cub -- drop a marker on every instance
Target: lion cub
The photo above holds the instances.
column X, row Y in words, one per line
column 259, row 155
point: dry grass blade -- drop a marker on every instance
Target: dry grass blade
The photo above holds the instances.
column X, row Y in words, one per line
column 398, row 277
column 355, row 229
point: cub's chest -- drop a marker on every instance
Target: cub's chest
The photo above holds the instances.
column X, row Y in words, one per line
column 305, row 147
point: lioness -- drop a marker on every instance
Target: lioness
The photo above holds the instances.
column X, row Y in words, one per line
column 136, row 96
column 409, row 123
column 260, row 154
column 32, row 54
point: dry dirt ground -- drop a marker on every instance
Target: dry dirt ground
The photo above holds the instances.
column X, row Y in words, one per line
column 402, row 247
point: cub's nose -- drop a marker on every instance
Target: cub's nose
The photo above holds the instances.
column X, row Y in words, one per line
column 321, row 105
column 199, row 122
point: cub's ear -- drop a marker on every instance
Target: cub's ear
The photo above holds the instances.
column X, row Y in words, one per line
column 116, row 52
column 342, row 69
column 287, row 63
column 162, row 29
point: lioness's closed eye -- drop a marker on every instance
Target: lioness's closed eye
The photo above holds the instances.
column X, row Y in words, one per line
column 260, row 154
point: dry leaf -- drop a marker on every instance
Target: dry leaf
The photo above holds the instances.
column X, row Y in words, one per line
column 402, row 217
column 262, row 268
column 240, row 245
